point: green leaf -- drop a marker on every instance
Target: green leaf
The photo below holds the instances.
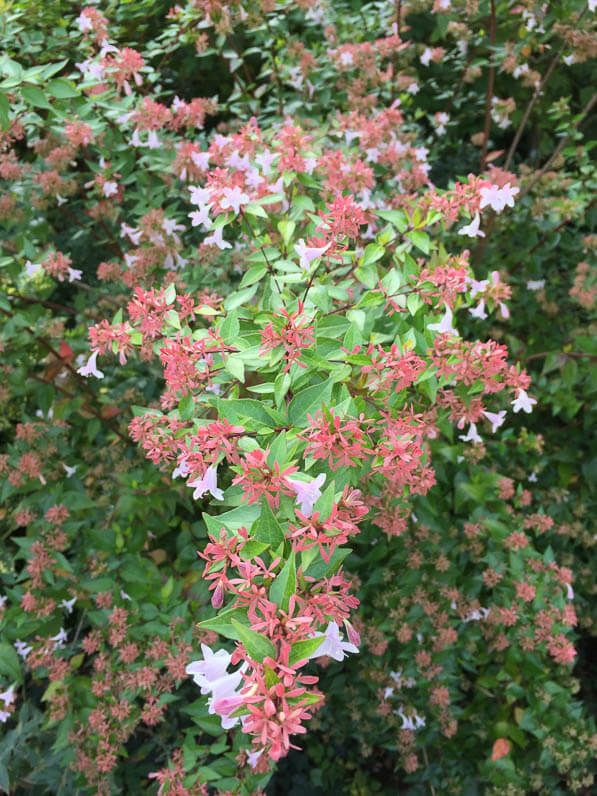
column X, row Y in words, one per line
column 258, row 646
column 271, row 199
column 308, row 401
column 236, row 367
column 4, row 108
column 267, row 529
column 4, row 778
column 253, row 275
column 286, row 230
column 235, row 410
column 284, row 585
column 281, row 387
column 325, row 502
column 170, row 293
column 62, row 89
column 397, row 218
column 230, row 327
column 35, row 96
column 51, row 69
column 9, row 663
column 320, row 569
column 186, row 407
column 223, row 623
column 414, row 302
column 373, row 252
column 234, row 300
column 420, row 239
column 255, row 210
column 172, row 318
column 302, row 650
column 367, row 275
column 252, row 548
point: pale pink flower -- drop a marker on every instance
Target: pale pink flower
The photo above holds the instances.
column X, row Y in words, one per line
column 479, row 311
column 90, row 369
column 472, row 435
column 234, row 198
column 68, row 604
column 524, row 402
column 199, row 196
column 110, row 188
column 308, row 253
column 8, row 696
column 496, row 419
column 472, row 229
column 213, row 667
column 201, row 216
column 307, row 493
column 445, row 325
column 31, row 269
column 498, row 198
column 216, row 239
column 332, row 644
column 207, row 484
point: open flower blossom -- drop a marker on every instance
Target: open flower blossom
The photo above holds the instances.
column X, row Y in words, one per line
column 217, row 239
column 211, row 675
column 498, row 198
column 181, row 470
column 68, row 604
column 8, row 696
column 31, row 269
column 472, row 435
column 472, row 229
column 91, row 369
column 524, row 402
column 212, row 668
column 479, row 311
column 59, row 639
column 412, row 722
column 307, row 493
column 332, row 644
column 496, row 419
column 209, row 483
column 22, row 648
column 309, row 253
column 445, row 325
column 233, row 199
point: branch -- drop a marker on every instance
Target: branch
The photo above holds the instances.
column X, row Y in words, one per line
column 490, row 83
column 534, row 99
column 563, row 143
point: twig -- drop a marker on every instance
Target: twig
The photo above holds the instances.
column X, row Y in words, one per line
column 86, row 408
column 276, row 72
column 535, row 97
column 50, row 304
column 563, row 143
column 490, row 83
column 560, row 226
column 395, row 58
column 529, row 109
column 569, row 354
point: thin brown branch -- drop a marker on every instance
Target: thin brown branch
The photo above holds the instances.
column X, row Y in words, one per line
column 490, row 84
column 538, row 92
column 85, row 408
column 563, row 143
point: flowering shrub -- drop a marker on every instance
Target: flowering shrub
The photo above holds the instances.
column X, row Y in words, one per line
column 279, row 298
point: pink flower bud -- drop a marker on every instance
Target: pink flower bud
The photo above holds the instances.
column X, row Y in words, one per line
column 352, row 634
column 217, row 599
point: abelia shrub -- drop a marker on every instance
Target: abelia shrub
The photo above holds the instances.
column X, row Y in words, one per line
column 328, row 376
